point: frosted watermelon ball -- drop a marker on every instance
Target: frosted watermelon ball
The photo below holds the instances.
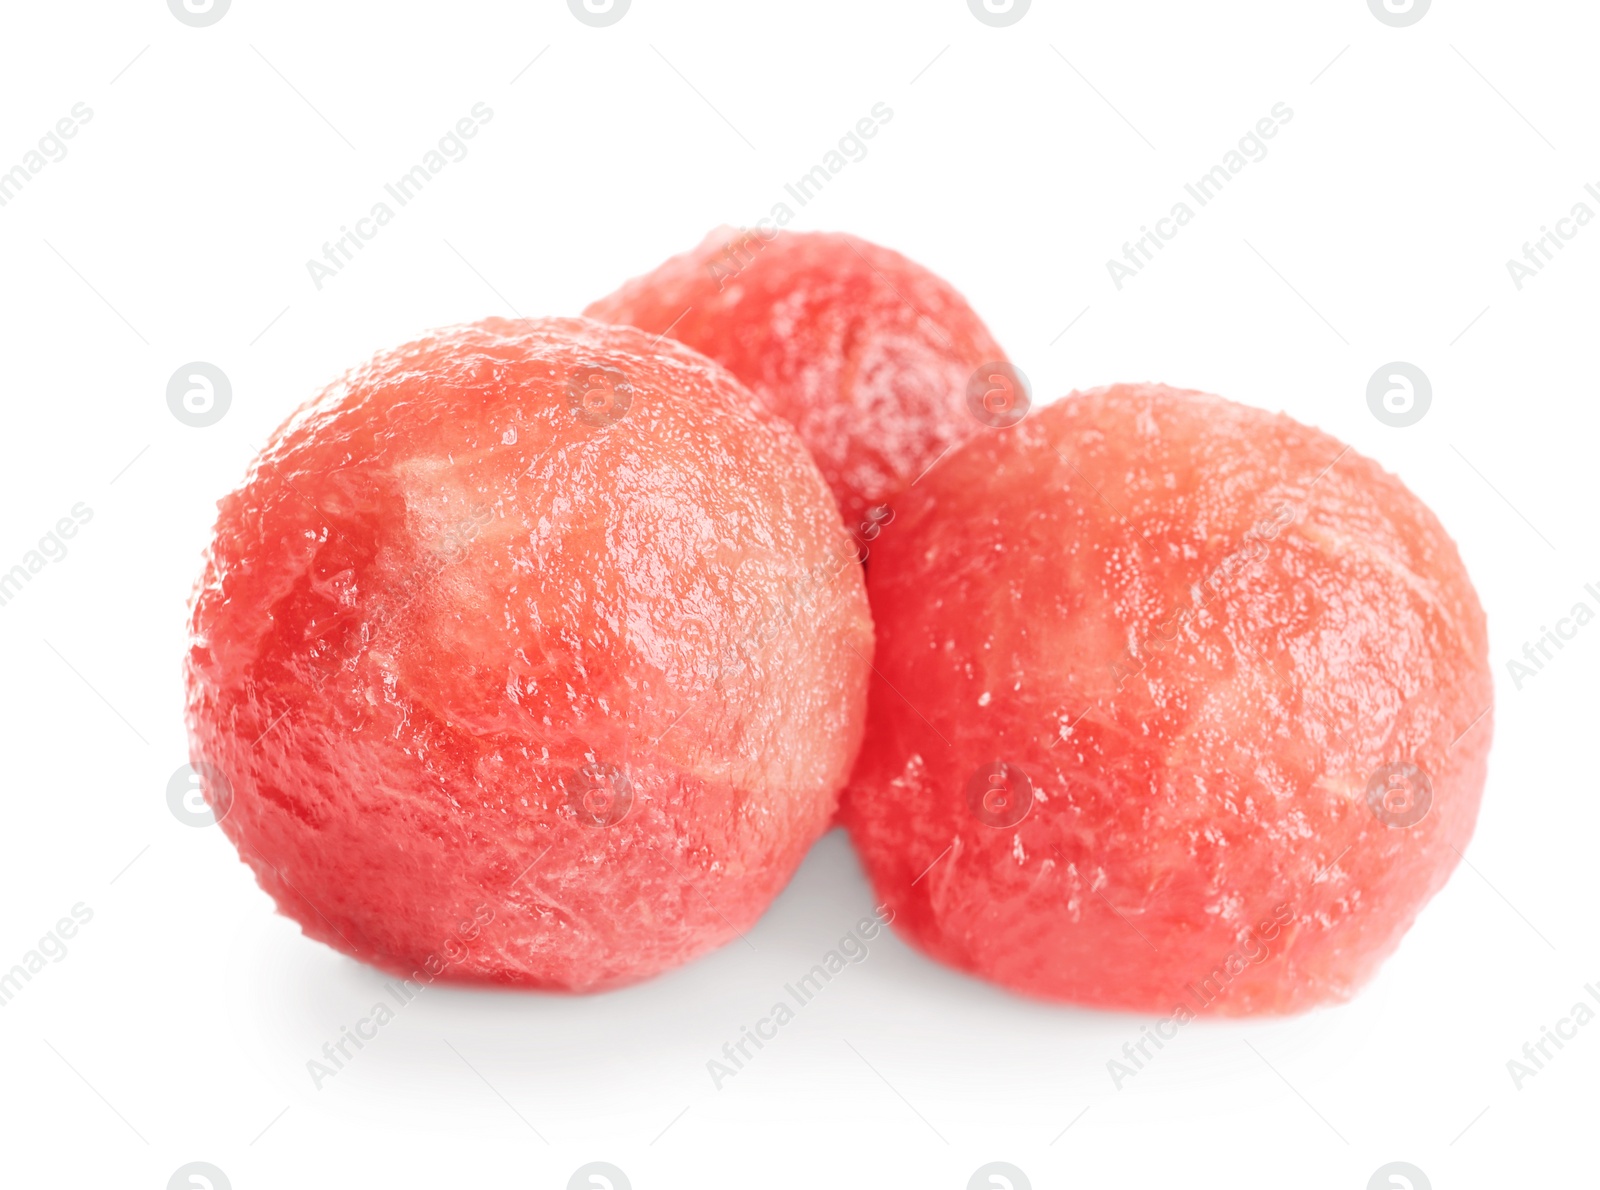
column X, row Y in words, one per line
column 534, row 655
column 879, row 364
column 1182, row 710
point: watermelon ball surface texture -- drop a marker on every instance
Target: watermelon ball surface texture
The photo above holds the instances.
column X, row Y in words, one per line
column 533, row 653
column 1183, row 709
column 872, row 358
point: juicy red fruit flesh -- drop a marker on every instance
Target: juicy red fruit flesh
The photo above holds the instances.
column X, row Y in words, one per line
column 533, row 654
column 1182, row 708
column 867, row 354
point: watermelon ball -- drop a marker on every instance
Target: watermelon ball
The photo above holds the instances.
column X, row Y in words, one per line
column 534, row 655
column 1181, row 709
column 881, row 366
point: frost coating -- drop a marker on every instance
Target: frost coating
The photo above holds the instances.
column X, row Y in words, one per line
column 1203, row 633
column 867, row 354
column 536, row 628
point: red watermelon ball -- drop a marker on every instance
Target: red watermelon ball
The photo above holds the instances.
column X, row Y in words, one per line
column 1183, row 709
column 533, row 654
column 881, row 366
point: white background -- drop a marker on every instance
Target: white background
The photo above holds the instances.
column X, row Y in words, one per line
column 1018, row 159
